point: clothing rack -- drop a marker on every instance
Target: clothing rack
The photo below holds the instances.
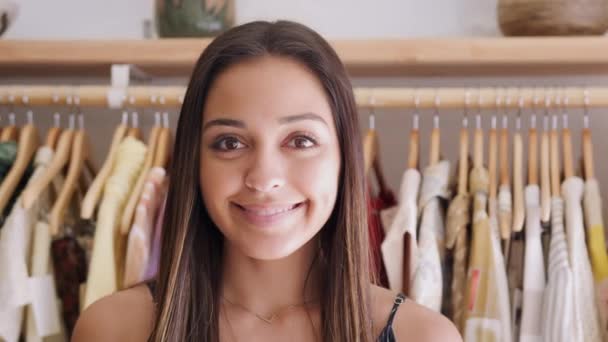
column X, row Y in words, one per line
column 422, row 98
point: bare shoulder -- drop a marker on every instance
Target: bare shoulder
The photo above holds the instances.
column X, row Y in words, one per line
column 412, row 322
column 123, row 316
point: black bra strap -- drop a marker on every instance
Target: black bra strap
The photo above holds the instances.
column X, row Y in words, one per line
column 398, row 301
column 152, row 286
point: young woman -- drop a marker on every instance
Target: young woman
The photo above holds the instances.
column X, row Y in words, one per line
column 265, row 229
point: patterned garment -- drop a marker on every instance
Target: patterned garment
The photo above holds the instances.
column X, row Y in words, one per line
column 534, row 269
column 70, row 266
column 458, row 220
column 584, row 290
column 428, row 284
column 141, row 234
column 486, row 306
column 559, row 314
column 399, row 255
column 376, row 204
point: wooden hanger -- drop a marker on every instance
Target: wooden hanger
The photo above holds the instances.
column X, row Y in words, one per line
column 27, row 146
column 134, row 130
column 567, row 141
column 434, row 153
column 463, row 161
column 53, row 133
column 518, row 184
column 533, row 153
column 78, row 155
column 492, row 174
column 412, row 161
column 93, row 195
column 505, row 221
column 56, row 166
column 545, row 178
column 478, row 145
column 555, row 170
column 588, row 163
column 129, row 211
column 10, row 132
column 372, row 156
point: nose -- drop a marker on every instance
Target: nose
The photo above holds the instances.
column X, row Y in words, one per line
column 265, row 172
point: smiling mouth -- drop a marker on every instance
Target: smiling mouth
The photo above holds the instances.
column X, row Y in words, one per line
column 268, row 212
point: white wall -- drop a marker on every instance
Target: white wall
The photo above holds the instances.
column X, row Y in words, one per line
column 87, row 19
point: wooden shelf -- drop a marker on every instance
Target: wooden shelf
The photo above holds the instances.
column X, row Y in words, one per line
column 401, row 57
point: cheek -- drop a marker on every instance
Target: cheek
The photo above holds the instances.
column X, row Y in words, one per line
column 217, row 181
column 318, row 180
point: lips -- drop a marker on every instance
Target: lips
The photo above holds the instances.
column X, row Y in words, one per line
column 266, row 216
column 268, row 210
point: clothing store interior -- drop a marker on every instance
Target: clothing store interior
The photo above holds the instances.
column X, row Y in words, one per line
column 482, row 144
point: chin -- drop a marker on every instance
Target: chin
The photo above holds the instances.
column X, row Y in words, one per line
column 278, row 248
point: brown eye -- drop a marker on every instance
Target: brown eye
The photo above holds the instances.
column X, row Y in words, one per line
column 303, row 142
column 226, row 144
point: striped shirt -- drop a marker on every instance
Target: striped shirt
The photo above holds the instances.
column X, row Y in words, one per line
column 558, row 305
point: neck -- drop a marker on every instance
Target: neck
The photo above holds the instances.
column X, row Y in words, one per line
column 266, row 286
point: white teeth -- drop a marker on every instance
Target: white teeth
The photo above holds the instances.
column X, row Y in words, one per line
column 270, row 212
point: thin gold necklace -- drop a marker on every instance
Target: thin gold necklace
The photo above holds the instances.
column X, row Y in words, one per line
column 269, row 320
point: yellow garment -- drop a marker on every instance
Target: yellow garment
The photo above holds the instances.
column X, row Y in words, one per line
column 104, row 271
column 596, row 245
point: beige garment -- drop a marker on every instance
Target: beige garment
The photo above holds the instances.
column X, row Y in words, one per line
column 103, row 278
column 404, row 222
column 596, row 243
column 458, row 219
column 483, row 310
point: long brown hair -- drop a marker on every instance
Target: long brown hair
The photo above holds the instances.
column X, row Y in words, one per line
column 188, row 284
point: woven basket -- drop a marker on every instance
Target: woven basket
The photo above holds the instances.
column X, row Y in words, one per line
column 552, row 17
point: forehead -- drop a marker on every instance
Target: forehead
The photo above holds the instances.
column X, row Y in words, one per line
column 266, row 87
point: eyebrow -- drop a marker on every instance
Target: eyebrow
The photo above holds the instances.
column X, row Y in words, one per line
column 282, row 120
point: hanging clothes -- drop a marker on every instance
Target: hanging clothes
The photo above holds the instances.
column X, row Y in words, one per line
column 584, row 291
column 384, row 200
column 427, row 287
column 502, row 302
column 559, row 315
column 8, row 155
column 17, row 287
column 141, row 233
column 154, row 262
column 103, row 278
column 71, row 251
column 596, row 243
column 458, row 219
column 483, row 314
column 400, row 259
column 534, row 269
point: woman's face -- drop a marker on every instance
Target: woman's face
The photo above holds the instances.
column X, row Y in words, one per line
column 270, row 158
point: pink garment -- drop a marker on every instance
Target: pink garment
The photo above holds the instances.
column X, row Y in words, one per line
column 141, row 235
column 154, row 261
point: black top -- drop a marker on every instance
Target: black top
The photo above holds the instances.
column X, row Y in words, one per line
column 387, row 334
